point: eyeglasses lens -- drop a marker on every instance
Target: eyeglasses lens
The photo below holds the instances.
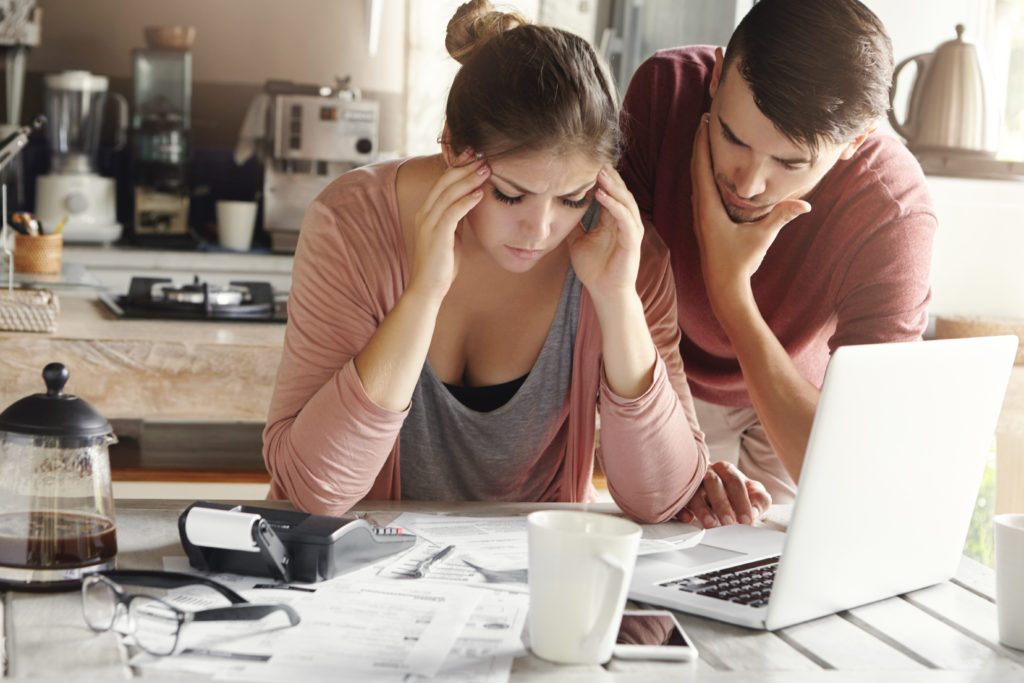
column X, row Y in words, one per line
column 99, row 604
column 156, row 624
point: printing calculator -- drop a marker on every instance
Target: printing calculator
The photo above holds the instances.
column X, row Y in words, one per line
column 289, row 545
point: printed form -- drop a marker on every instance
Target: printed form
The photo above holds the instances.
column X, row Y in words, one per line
column 462, row 621
column 356, row 627
column 488, row 550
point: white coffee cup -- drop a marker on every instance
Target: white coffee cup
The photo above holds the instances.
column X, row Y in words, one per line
column 1009, row 540
column 235, row 223
column 581, row 564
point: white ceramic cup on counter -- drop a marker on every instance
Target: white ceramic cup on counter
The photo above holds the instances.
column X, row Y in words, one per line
column 581, row 564
column 235, row 223
column 1009, row 541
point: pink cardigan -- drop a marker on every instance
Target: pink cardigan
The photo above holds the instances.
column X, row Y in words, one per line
column 327, row 445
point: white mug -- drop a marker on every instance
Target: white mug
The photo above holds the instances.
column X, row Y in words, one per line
column 235, row 224
column 581, row 564
column 1009, row 540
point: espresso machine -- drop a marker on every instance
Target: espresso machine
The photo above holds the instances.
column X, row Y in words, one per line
column 74, row 193
column 307, row 136
column 161, row 125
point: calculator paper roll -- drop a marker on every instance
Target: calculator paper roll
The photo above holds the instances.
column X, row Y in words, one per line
column 225, row 529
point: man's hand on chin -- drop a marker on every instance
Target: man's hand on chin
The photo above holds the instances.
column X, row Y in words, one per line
column 730, row 252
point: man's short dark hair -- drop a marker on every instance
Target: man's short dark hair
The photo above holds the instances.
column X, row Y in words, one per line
column 820, row 70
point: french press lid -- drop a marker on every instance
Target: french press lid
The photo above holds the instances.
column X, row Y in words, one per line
column 54, row 413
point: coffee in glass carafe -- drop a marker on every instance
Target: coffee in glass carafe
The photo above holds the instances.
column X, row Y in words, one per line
column 56, row 505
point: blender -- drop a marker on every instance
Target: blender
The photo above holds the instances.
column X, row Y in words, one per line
column 75, row 102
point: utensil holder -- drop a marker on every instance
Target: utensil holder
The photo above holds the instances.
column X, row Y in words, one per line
column 38, row 253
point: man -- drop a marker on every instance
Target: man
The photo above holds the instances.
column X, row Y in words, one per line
column 794, row 227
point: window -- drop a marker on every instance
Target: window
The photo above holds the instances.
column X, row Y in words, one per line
column 1009, row 33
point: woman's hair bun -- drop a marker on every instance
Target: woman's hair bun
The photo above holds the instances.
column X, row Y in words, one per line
column 474, row 23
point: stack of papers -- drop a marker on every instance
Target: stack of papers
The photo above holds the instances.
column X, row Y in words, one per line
column 462, row 621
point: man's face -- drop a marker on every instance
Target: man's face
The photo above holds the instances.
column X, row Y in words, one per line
column 754, row 164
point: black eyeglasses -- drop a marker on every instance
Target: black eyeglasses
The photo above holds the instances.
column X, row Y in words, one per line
column 156, row 624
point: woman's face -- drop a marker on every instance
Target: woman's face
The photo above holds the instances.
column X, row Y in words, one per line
column 531, row 202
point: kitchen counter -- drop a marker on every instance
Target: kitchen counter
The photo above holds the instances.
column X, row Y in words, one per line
column 113, row 267
column 153, row 259
column 148, row 369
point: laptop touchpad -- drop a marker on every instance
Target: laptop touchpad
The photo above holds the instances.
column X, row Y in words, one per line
column 697, row 556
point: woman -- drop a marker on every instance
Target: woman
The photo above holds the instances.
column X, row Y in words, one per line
column 452, row 324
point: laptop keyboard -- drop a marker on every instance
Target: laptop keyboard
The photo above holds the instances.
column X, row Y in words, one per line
column 747, row 584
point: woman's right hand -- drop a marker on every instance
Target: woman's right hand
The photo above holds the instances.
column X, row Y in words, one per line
column 436, row 256
column 390, row 364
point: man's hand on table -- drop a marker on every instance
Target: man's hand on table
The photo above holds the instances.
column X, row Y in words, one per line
column 726, row 496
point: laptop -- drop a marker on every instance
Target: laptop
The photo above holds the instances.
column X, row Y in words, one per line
column 887, row 490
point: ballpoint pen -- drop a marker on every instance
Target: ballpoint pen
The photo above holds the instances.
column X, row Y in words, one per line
column 424, row 565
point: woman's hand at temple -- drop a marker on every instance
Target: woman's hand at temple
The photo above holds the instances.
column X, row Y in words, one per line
column 606, row 260
column 389, row 365
column 435, row 260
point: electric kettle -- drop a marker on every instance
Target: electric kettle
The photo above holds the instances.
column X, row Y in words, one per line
column 947, row 111
column 56, row 503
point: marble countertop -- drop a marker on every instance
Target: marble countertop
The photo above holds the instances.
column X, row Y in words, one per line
column 72, row 276
column 141, row 260
column 89, row 318
column 148, row 369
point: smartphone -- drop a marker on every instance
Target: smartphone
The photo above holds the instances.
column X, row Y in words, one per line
column 652, row 634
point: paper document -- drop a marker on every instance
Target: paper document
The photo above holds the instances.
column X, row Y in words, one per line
column 649, row 546
column 494, row 547
column 461, row 620
column 365, row 629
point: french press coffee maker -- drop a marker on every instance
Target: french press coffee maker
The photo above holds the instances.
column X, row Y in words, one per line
column 56, row 504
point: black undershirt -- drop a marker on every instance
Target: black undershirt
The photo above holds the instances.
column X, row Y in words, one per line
column 486, row 399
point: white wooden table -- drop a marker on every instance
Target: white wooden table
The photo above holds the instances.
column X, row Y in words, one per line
column 946, row 632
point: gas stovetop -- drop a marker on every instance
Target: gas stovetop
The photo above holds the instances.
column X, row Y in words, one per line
column 160, row 298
